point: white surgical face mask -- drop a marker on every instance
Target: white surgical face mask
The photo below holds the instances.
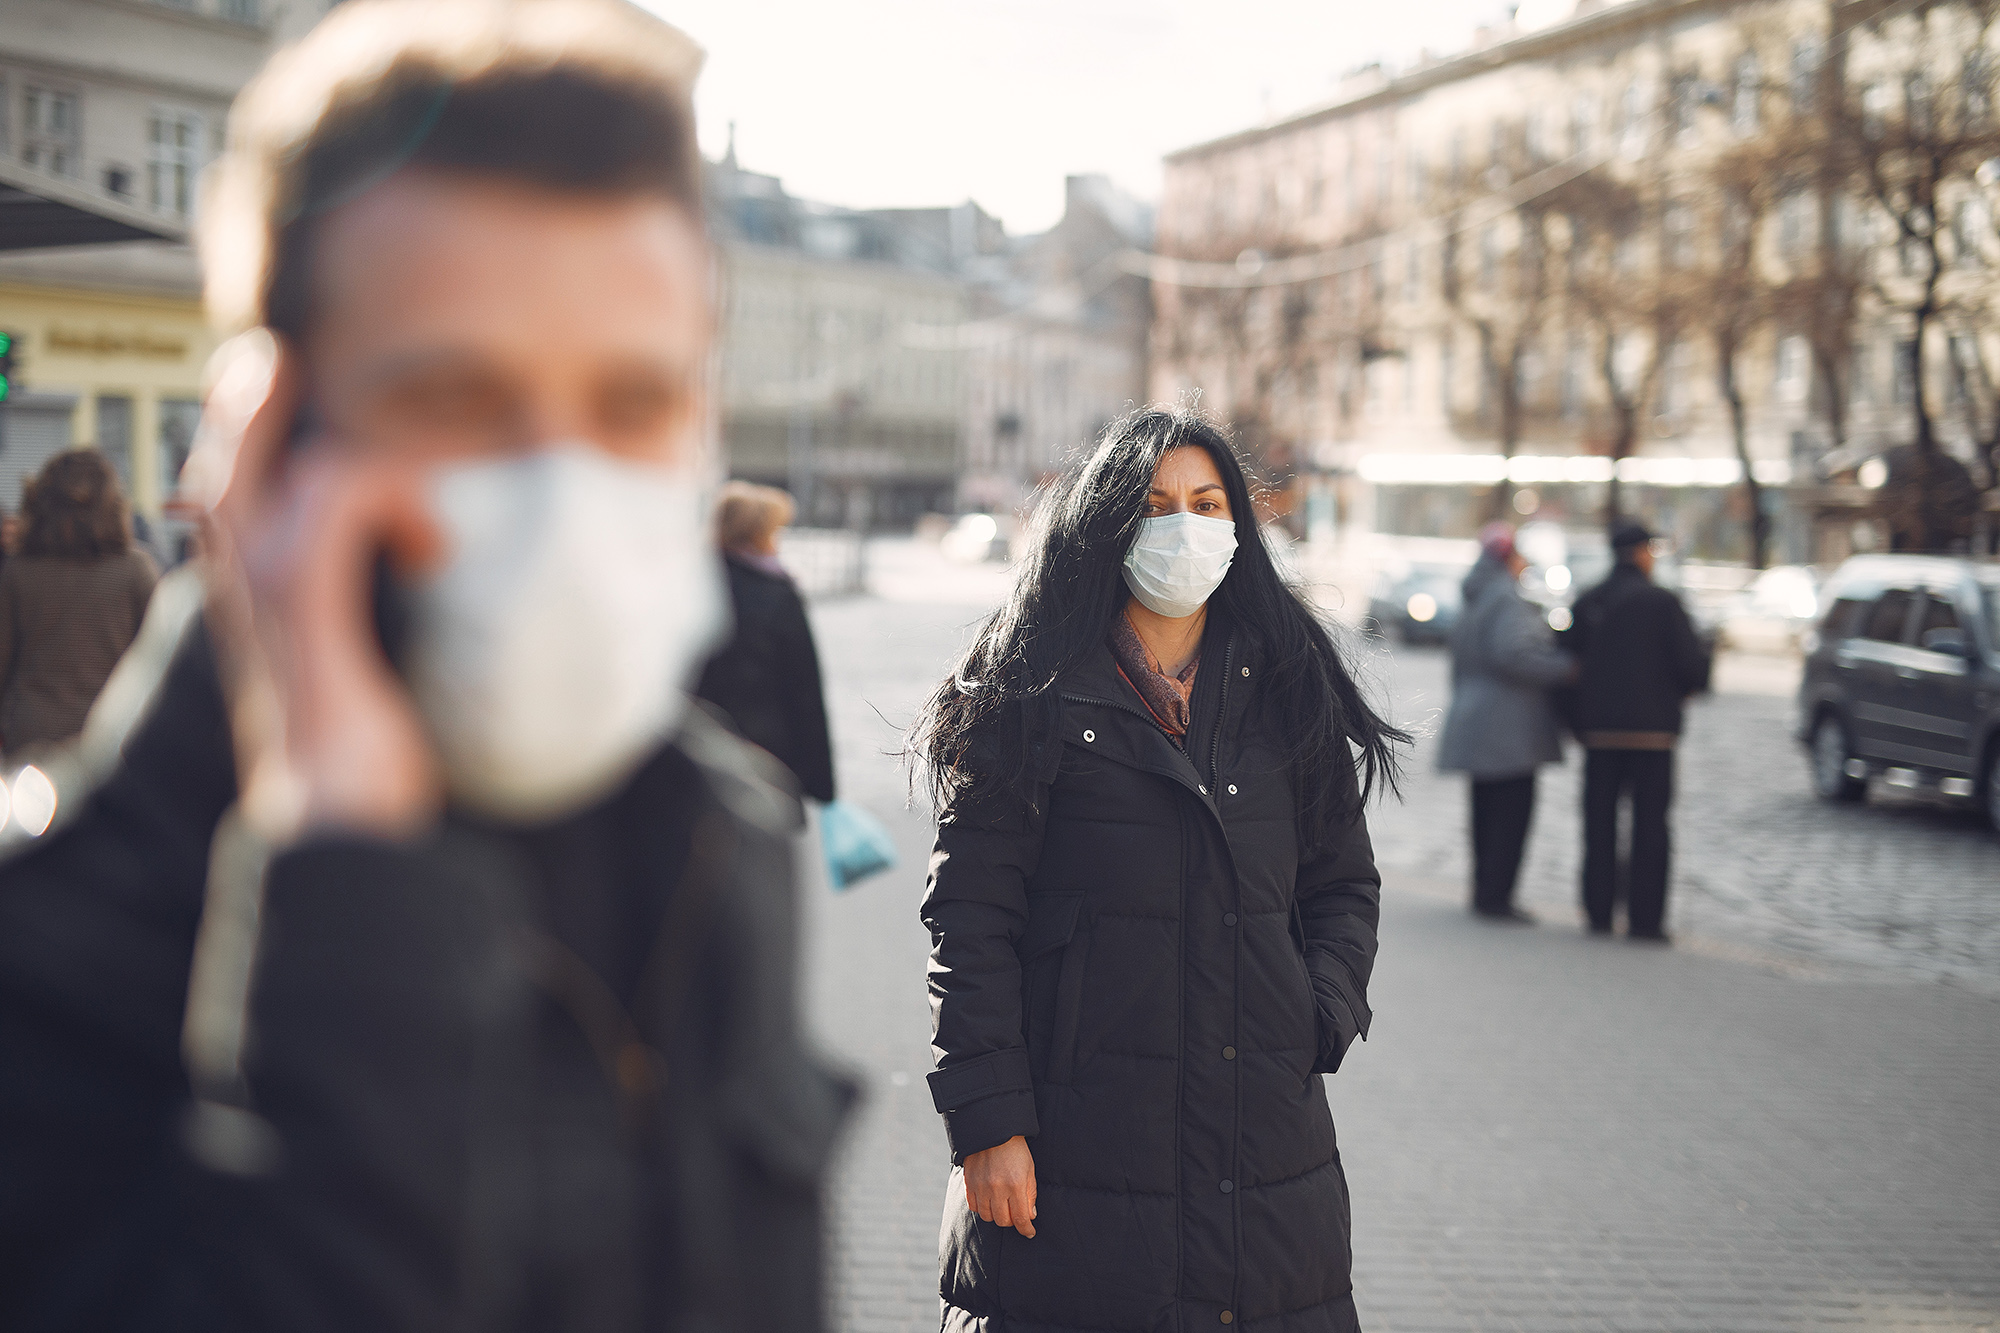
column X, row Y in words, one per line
column 553, row 653
column 1178, row 560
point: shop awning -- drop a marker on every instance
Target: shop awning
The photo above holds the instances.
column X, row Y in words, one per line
column 38, row 210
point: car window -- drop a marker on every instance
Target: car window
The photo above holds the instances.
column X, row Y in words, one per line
column 1845, row 619
column 1937, row 614
column 1889, row 616
column 1991, row 596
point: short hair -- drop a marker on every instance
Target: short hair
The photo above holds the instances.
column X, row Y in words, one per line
column 582, row 96
column 747, row 514
column 73, row 509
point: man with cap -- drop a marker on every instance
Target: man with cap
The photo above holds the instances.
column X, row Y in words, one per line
column 1502, row 725
column 1639, row 658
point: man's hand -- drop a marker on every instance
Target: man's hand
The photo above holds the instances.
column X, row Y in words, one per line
column 1000, row 1185
column 326, row 736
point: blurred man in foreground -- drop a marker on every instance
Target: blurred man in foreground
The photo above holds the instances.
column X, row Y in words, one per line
column 1638, row 660
column 417, row 959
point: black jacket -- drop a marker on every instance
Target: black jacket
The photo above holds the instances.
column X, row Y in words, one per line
column 488, row 1080
column 767, row 678
column 1637, row 654
column 1134, row 967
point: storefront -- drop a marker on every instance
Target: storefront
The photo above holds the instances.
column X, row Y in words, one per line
column 117, row 370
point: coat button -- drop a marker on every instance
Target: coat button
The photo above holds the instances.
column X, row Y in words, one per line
column 1089, row 735
column 1227, row 1186
column 1229, row 918
column 1232, row 789
column 1246, row 671
column 1229, row 1052
column 1228, row 1318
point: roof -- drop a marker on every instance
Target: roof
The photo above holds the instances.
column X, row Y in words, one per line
column 1613, row 18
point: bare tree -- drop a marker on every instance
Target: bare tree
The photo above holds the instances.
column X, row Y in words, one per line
column 1909, row 131
column 1496, row 282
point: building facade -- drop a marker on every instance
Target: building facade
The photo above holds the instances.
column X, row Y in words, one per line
column 1056, row 348
column 1617, row 251
column 109, row 111
column 841, row 376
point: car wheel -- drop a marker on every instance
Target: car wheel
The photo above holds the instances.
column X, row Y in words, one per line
column 1831, row 754
column 1993, row 787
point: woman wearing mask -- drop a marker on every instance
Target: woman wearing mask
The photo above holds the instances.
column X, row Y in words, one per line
column 767, row 677
column 1152, row 910
column 71, row 600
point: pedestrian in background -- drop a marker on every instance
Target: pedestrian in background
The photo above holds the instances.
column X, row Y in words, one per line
column 71, row 600
column 1152, row 908
column 431, row 963
column 1502, row 725
column 767, row 677
column 1638, row 659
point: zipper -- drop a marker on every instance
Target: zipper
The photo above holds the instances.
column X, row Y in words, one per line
column 1221, row 712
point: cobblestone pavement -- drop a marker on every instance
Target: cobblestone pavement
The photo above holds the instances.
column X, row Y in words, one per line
column 1780, row 1127
column 1907, row 885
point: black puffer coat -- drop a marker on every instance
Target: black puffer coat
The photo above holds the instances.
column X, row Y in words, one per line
column 1134, row 967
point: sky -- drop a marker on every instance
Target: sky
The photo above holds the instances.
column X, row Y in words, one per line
column 897, row 103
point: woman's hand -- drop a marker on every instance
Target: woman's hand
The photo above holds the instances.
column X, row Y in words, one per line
column 326, row 736
column 1000, row 1185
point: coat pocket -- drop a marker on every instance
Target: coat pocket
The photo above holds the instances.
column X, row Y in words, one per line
column 1051, row 942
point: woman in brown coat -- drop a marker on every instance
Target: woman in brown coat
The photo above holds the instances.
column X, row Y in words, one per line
column 71, row 599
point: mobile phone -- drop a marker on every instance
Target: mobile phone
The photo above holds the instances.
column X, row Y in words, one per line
column 389, row 605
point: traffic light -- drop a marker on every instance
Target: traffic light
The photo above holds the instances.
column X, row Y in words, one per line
column 7, row 344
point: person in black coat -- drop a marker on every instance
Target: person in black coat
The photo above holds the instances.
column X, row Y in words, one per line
column 767, row 678
column 1638, row 659
column 1152, row 908
column 401, row 948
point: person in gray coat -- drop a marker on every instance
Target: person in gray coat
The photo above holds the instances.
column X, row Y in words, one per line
column 1502, row 725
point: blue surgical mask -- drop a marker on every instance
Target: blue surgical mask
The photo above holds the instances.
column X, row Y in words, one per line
column 1178, row 561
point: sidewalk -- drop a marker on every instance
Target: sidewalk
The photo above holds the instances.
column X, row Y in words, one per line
column 1544, row 1132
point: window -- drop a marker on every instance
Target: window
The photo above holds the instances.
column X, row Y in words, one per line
column 1572, row 378
column 1413, row 271
column 179, row 417
column 1679, row 226
column 114, row 434
column 1670, row 398
column 1861, row 376
column 1418, row 184
column 1890, row 616
column 1906, row 371
column 1844, row 619
column 1937, row 615
column 1632, row 121
column 1743, row 117
column 1583, row 124
column 1805, row 75
column 1794, row 223
column 49, row 130
column 1917, row 103
column 1489, row 254
column 1967, row 222
column 173, row 147
column 1534, row 136
column 1686, row 100
column 1791, row 377
column 1977, row 89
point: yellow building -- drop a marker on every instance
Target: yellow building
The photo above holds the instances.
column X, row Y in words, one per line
column 109, row 111
column 120, row 370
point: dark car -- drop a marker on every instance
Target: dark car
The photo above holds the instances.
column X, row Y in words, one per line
column 1902, row 679
column 1421, row 604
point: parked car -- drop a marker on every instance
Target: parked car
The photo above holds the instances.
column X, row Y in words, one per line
column 1902, row 679
column 1775, row 613
column 1420, row 602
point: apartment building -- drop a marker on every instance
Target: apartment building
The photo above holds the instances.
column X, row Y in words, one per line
column 1501, row 281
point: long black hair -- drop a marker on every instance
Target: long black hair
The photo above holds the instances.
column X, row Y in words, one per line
column 974, row 735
